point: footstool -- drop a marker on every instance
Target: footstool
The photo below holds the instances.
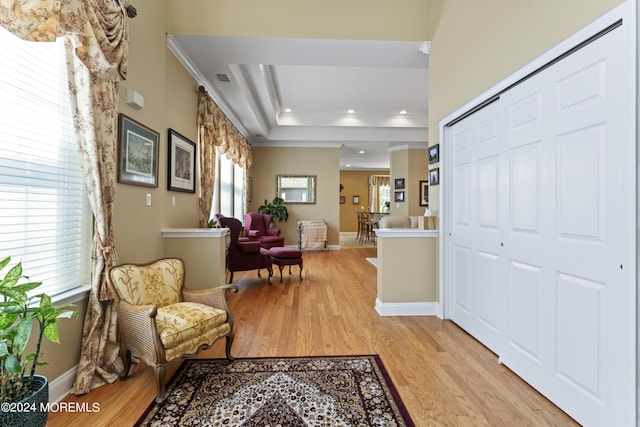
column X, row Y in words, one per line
column 282, row 256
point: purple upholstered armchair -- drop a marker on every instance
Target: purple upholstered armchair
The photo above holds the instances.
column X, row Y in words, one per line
column 256, row 227
column 244, row 254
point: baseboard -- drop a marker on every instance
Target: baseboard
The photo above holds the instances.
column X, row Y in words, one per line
column 406, row 308
column 60, row 387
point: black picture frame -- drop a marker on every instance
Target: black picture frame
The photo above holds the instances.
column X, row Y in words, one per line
column 181, row 164
column 137, row 153
column 434, row 176
column 424, row 193
column 434, row 154
column 398, row 196
column 398, row 184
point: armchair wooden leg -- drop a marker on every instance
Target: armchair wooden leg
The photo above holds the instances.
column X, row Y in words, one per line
column 230, row 277
column 125, row 355
column 160, row 385
column 230, row 337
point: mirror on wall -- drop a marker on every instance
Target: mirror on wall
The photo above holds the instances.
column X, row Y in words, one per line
column 296, row 189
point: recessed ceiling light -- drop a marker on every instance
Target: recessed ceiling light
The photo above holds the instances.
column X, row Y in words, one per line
column 361, row 151
column 350, row 111
column 287, row 110
column 403, row 112
column 348, row 165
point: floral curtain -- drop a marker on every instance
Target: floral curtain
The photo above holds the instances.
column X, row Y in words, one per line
column 96, row 40
column 215, row 130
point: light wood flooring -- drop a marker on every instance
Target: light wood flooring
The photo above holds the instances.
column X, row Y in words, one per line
column 444, row 376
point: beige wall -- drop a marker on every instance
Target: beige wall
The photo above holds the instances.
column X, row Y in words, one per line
column 410, row 164
column 170, row 101
column 478, row 44
column 323, row 162
column 356, row 183
column 332, row 19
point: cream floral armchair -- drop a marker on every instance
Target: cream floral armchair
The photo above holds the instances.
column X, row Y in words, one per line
column 160, row 320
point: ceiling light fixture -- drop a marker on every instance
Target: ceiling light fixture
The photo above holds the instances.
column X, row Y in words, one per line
column 287, row 110
column 350, row 111
column 361, row 151
column 348, row 165
column 403, row 112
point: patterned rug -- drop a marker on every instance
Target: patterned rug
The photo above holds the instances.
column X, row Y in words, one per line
column 296, row 391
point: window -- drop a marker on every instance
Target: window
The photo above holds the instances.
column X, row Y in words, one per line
column 45, row 219
column 228, row 194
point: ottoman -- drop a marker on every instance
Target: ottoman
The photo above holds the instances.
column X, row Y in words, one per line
column 282, row 256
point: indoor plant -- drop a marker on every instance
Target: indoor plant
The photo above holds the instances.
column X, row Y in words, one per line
column 22, row 312
column 276, row 209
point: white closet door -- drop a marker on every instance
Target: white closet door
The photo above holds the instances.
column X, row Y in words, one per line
column 477, row 296
column 542, row 252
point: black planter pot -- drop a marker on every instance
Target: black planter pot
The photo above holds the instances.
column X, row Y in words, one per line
column 30, row 411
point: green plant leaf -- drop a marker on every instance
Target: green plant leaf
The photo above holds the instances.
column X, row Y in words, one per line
column 51, row 332
column 23, row 332
column 12, row 364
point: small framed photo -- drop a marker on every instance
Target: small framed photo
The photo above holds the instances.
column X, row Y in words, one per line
column 424, row 193
column 434, row 154
column 342, row 200
column 182, row 163
column 398, row 184
column 398, row 196
column 356, row 200
column 137, row 153
column 434, row 176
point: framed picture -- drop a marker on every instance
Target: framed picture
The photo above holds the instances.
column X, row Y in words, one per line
column 434, row 176
column 182, row 163
column 398, row 196
column 424, row 193
column 137, row 153
column 356, row 200
column 434, row 154
column 342, row 200
column 399, row 183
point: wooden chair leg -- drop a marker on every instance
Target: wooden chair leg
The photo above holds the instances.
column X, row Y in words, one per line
column 230, row 277
column 125, row 355
column 160, row 385
column 230, row 337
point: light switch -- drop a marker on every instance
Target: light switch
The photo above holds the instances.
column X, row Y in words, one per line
column 148, row 201
column 173, row 201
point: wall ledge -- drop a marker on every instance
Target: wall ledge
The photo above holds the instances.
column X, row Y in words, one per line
column 193, row 232
column 405, row 232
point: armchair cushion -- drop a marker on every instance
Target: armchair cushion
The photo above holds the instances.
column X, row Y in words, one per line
column 182, row 321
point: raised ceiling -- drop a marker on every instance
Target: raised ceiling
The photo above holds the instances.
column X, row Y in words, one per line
column 298, row 92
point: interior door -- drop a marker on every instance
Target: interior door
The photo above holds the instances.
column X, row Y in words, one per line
column 553, row 278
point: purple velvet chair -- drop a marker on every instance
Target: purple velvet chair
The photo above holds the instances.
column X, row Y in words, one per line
column 256, row 227
column 244, row 254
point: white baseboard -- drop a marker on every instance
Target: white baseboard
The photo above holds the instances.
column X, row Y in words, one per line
column 406, row 308
column 60, row 387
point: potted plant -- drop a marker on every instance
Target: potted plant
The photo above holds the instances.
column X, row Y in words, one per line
column 21, row 313
column 276, row 209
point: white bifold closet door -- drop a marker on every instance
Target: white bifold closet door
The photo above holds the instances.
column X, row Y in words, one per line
column 541, row 239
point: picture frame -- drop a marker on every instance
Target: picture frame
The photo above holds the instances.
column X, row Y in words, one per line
column 181, row 163
column 398, row 196
column 356, row 200
column 137, row 153
column 434, row 176
column 424, row 193
column 398, row 184
column 342, row 200
column 434, row 154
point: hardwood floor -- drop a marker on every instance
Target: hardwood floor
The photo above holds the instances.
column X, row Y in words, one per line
column 444, row 376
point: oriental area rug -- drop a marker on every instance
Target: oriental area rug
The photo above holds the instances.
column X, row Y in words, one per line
column 290, row 391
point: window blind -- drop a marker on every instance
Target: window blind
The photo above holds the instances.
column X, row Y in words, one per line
column 45, row 220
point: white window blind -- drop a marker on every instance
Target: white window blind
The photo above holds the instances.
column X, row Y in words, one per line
column 45, row 220
column 228, row 194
